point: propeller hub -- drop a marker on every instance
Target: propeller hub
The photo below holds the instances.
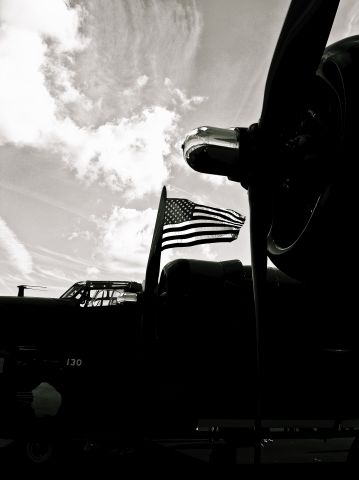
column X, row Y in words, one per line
column 230, row 152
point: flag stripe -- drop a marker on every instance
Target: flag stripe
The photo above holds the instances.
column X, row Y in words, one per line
column 219, row 210
column 217, row 219
column 197, row 223
column 187, row 242
column 193, row 231
column 215, row 214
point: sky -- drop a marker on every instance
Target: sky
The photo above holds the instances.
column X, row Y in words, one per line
column 96, row 97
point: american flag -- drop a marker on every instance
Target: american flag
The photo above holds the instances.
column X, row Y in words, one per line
column 187, row 223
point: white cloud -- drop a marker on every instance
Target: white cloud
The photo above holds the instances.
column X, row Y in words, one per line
column 48, row 18
column 45, row 103
column 142, row 80
column 200, row 252
column 60, row 81
column 125, row 240
column 128, row 155
column 216, row 180
column 208, row 253
column 15, row 250
column 27, row 110
column 36, row 39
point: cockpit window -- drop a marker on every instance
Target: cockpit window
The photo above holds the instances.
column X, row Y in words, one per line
column 104, row 297
column 102, row 294
column 76, row 291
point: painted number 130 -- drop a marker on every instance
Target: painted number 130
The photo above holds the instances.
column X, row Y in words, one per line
column 74, row 362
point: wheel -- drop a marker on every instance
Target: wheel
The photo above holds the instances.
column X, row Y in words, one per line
column 39, row 451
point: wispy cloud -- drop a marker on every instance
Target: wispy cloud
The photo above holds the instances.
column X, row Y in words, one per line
column 58, row 271
column 135, row 40
column 353, row 25
column 17, row 253
column 56, row 274
column 85, row 235
column 139, row 84
column 179, row 98
column 346, row 22
column 70, row 209
column 53, row 258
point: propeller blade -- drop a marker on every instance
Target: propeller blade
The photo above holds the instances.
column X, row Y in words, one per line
column 296, row 58
column 258, row 201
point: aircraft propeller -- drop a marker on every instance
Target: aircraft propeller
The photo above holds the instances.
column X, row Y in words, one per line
column 291, row 75
column 263, row 156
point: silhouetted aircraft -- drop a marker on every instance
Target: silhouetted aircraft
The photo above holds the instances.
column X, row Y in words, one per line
column 219, row 349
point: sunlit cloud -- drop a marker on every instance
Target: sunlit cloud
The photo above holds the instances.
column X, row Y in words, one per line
column 124, row 240
column 208, row 252
column 103, row 113
column 128, row 156
column 27, row 110
column 51, row 19
column 37, row 38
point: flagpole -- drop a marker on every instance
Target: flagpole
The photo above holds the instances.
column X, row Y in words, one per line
column 152, row 272
column 154, row 257
column 145, row 349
